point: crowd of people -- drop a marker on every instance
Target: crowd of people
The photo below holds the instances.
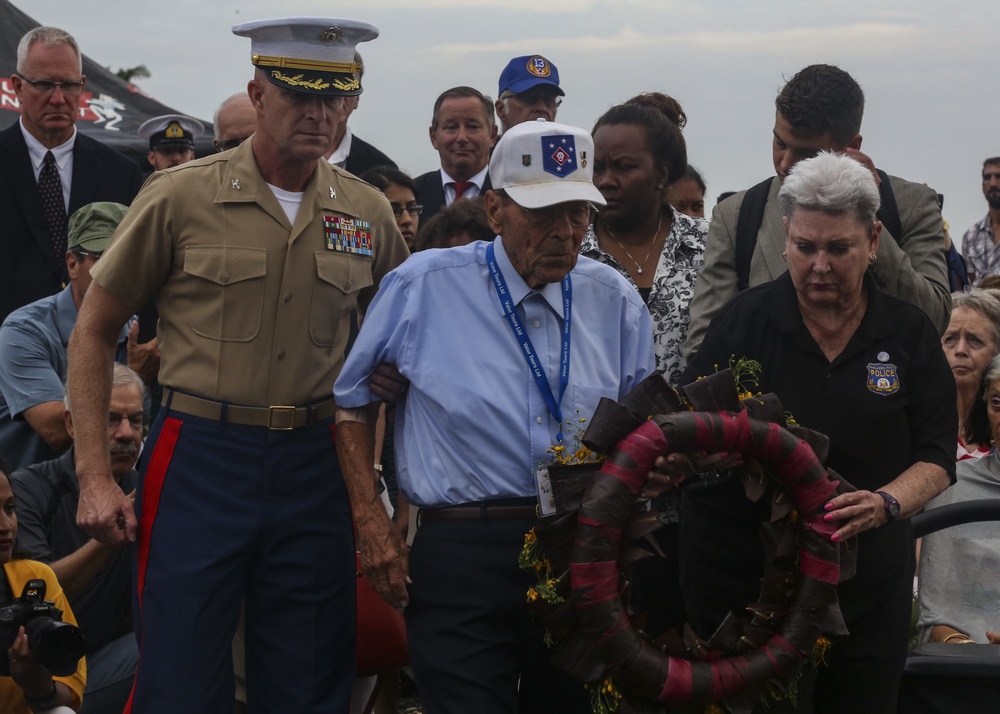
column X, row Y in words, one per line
column 205, row 382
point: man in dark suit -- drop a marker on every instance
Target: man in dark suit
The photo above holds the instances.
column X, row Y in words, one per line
column 463, row 130
column 348, row 151
column 48, row 169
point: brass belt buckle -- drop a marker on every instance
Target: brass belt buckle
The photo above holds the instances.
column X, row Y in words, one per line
column 278, row 417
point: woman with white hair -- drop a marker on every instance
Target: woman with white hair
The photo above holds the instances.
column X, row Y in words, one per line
column 867, row 370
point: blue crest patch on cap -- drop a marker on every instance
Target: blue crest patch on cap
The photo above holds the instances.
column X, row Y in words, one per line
column 559, row 154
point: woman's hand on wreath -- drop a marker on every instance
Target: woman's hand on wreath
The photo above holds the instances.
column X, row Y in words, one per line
column 385, row 558
column 858, row 511
column 670, row 471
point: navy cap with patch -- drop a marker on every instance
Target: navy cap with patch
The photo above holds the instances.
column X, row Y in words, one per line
column 523, row 73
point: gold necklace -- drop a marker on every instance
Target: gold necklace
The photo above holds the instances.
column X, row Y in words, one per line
column 638, row 265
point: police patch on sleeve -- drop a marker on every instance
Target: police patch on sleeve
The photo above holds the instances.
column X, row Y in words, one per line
column 883, row 378
column 348, row 235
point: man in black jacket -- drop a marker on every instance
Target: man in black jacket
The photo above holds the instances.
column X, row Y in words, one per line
column 48, row 169
column 348, row 151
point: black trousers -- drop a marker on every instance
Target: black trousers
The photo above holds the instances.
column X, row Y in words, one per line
column 474, row 646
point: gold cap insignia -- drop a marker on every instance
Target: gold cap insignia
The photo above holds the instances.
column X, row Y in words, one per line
column 330, row 34
column 173, row 131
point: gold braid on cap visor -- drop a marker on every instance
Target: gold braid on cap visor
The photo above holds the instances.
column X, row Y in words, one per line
column 347, row 81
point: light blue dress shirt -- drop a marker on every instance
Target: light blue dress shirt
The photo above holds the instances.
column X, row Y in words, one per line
column 33, row 364
column 473, row 425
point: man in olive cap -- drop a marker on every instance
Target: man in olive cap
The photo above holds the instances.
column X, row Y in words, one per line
column 33, row 342
column 257, row 258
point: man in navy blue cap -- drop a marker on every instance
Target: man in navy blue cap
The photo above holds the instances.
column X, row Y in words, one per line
column 529, row 90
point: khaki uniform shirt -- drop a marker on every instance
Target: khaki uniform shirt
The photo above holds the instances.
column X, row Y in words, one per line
column 253, row 311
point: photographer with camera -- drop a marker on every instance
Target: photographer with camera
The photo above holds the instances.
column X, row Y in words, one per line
column 44, row 670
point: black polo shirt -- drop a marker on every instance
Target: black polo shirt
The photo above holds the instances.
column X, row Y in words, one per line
column 887, row 401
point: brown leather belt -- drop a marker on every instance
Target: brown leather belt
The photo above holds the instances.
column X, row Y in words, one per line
column 508, row 509
column 275, row 418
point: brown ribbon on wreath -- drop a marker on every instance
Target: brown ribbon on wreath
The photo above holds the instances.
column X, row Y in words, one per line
column 596, row 521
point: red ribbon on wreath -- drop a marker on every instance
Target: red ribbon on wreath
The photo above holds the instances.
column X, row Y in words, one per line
column 589, row 541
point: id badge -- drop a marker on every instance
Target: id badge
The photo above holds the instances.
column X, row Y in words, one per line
column 546, row 499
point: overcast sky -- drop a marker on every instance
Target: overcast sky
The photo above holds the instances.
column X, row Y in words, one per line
column 928, row 68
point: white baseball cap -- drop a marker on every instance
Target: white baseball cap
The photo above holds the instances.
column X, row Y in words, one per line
column 542, row 163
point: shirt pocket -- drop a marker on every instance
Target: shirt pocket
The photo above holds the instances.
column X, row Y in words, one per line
column 228, row 296
column 580, row 412
column 339, row 279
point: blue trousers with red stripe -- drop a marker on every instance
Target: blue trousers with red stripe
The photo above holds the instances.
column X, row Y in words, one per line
column 232, row 513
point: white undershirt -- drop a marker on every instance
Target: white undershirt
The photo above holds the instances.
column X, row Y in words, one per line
column 289, row 200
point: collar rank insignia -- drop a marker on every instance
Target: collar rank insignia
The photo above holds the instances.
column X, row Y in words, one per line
column 348, row 235
column 883, row 379
column 559, row 154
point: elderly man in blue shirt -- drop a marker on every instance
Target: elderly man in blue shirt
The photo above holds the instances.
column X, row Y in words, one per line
column 506, row 345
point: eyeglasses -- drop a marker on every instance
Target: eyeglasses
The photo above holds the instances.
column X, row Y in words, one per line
column 414, row 209
column 579, row 214
column 553, row 102
column 80, row 253
column 136, row 420
column 227, row 144
column 47, row 86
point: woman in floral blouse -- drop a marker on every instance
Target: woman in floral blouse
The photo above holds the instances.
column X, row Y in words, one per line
column 639, row 149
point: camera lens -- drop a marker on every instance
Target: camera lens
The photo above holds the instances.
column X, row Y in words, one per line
column 58, row 646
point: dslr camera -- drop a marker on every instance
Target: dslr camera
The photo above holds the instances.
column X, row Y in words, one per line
column 57, row 645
